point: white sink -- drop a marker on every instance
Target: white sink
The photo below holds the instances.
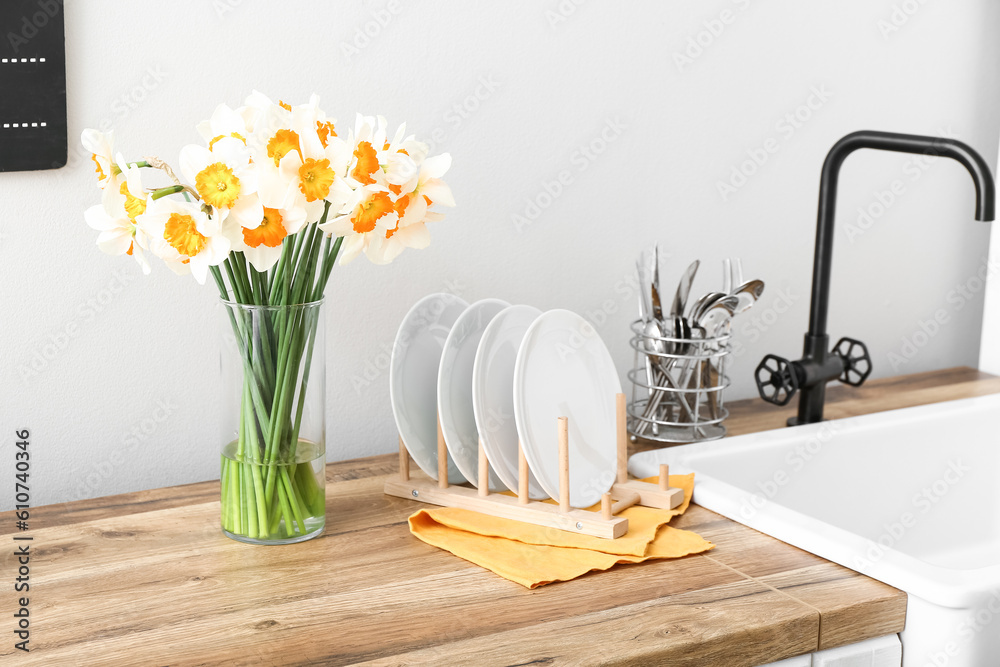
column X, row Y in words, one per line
column 909, row 497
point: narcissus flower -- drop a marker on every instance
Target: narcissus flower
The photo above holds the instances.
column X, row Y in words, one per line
column 306, row 162
column 363, row 221
column 225, row 122
column 221, row 175
column 428, row 184
column 266, row 172
column 101, row 146
column 184, row 234
column 261, row 239
column 115, row 217
column 262, row 245
column 409, row 232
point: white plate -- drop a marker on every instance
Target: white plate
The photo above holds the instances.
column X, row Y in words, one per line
column 493, row 393
column 563, row 369
column 454, row 389
column 413, row 372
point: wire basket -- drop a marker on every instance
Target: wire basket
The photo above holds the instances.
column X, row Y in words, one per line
column 677, row 387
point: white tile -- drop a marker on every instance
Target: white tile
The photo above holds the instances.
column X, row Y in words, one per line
column 797, row 661
column 880, row 652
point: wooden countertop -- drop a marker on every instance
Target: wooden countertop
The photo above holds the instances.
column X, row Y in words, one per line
column 148, row 578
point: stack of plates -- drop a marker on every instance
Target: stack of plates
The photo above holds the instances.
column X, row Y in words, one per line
column 504, row 373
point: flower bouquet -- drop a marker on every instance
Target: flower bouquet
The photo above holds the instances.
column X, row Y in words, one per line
column 267, row 206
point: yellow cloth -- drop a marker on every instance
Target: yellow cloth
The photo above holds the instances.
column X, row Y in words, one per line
column 535, row 555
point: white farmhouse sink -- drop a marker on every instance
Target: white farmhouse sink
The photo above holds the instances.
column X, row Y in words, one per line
column 909, row 497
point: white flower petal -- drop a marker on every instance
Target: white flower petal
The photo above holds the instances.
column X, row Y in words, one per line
column 413, row 236
column 248, row 212
column 351, row 248
column 193, row 159
column 262, row 257
column 114, row 242
column 339, row 226
column 438, row 192
column 293, row 219
column 97, row 218
column 436, row 167
column 140, row 257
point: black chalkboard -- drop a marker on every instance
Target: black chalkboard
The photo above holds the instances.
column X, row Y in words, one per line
column 32, row 85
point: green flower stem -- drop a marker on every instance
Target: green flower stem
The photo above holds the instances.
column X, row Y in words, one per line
column 285, row 510
column 294, row 440
column 328, row 262
column 256, row 457
column 287, row 372
column 293, row 499
column 266, row 484
column 169, row 190
column 234, row 497
column 288, row 364
column 252, row 523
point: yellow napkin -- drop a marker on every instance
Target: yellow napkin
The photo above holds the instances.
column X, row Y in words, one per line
column 535, row 555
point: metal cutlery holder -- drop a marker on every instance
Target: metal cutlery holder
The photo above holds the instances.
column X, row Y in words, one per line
column 677, row 387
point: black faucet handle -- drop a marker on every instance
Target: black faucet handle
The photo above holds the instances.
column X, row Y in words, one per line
column 777, row 379
column 857, row 361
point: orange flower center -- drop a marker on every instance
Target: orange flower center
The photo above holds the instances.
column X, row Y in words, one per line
column 284, row 105
column 281, row 143
column 100, row 172
column 182, row 234
column 218, row 185
column 325, row 131
column 367, row 163
column 133, row 205
column 234, row 135
column 400, row 208
column 366, row 215
column 315, row 179
column 270, row 232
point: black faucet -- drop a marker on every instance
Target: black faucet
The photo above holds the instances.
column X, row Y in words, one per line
column 777, row 378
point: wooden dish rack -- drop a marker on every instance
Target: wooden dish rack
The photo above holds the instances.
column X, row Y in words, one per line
column 624, row 492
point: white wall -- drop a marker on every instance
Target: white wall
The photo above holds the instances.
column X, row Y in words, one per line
column 153, row 71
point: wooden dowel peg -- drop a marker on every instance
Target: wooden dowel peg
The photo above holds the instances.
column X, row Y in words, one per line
column 622, row 424
column 484, row 471
column 442, row 459
column 664, row 477
column 625, row 502
column 606, row 507
column 404, row 461
column 522, row 475
column 564, row 464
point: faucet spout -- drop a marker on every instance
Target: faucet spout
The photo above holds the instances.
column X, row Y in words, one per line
column 885, row 141
column 778, row 379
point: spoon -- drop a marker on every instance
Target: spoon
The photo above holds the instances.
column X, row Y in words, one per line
column 704, row 303
column 748, row 293
column 715, row 316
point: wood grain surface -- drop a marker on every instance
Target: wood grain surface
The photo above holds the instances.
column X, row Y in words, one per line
column 147, row 578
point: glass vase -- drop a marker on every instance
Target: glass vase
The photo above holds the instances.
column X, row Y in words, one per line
column 274, row 451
